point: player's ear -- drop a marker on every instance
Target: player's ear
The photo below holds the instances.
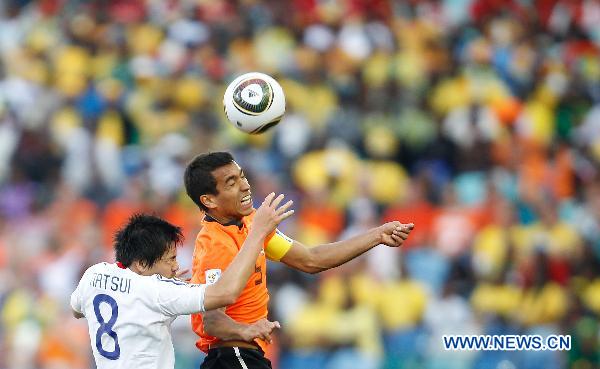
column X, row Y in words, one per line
column 208, row 201
column 140, row 267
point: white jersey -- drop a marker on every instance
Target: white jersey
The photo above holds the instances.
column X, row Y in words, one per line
column 129, row 315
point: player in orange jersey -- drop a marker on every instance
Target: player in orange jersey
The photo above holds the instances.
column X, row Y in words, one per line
column 217, row 184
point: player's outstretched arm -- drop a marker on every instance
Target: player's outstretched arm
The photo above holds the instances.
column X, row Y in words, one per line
column 319, row 258
column 227, row 289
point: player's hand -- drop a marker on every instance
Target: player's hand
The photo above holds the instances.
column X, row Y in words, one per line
column 261, row 329
column 394, row 233
column 270, row 214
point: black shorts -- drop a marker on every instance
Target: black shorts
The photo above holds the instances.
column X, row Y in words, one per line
column 235, row 358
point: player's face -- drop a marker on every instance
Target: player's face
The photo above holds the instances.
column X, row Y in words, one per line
column 167, row 265
column 234, row 198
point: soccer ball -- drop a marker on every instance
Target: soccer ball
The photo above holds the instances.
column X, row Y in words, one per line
column 254, row 102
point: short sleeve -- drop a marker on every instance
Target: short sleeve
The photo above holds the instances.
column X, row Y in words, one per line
column 76, row 296
column 278, row 245
column 76, row 301
column 175, row 297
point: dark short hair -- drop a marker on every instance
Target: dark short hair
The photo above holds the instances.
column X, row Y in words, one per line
column 198, row 176
column 145, row 238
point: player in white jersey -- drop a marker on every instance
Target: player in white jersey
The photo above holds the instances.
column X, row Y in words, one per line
column 131, row 304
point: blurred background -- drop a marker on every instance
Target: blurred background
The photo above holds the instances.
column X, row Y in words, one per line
column 478, row 120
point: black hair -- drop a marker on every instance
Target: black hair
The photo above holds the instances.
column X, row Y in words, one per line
column 198, row 176
column 145, row 238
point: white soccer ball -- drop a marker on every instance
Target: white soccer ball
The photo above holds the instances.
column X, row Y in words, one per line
column 254, row 102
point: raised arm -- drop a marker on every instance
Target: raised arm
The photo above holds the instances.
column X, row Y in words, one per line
column 233, row 280
column 319, row 258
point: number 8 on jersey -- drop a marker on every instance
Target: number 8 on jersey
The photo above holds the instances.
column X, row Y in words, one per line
column 106, row 328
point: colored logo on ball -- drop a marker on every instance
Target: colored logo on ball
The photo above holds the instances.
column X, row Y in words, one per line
column 253, row 96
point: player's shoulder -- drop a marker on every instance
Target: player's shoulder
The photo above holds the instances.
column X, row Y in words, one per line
column 209, row 230
column 212, row 236
column 98, row 267
column 160, row 279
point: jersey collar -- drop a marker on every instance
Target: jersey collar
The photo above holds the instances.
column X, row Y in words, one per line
column 237, row 222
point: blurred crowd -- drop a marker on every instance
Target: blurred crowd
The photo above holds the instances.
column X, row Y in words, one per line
column 478, row 120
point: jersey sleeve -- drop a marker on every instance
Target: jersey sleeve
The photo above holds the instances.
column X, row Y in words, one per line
column 277, row 246
column 76, row 296
column 175, row 297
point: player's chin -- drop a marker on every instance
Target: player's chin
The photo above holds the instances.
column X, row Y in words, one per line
column 171, row 275
column 245, row 210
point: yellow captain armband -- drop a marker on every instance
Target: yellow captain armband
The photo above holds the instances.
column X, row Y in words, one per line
column 278, row 246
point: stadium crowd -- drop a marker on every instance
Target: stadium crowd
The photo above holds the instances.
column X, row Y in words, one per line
column 478, row 120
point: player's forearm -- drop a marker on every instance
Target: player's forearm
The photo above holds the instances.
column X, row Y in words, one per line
column 243, row 265
column 220, row 325
column 333, row 254
column 227, row 289
column 319, row 258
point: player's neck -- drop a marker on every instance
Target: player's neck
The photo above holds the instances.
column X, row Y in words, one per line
column 224, row 220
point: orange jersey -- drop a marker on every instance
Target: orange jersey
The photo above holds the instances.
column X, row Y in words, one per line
column 216, row 246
